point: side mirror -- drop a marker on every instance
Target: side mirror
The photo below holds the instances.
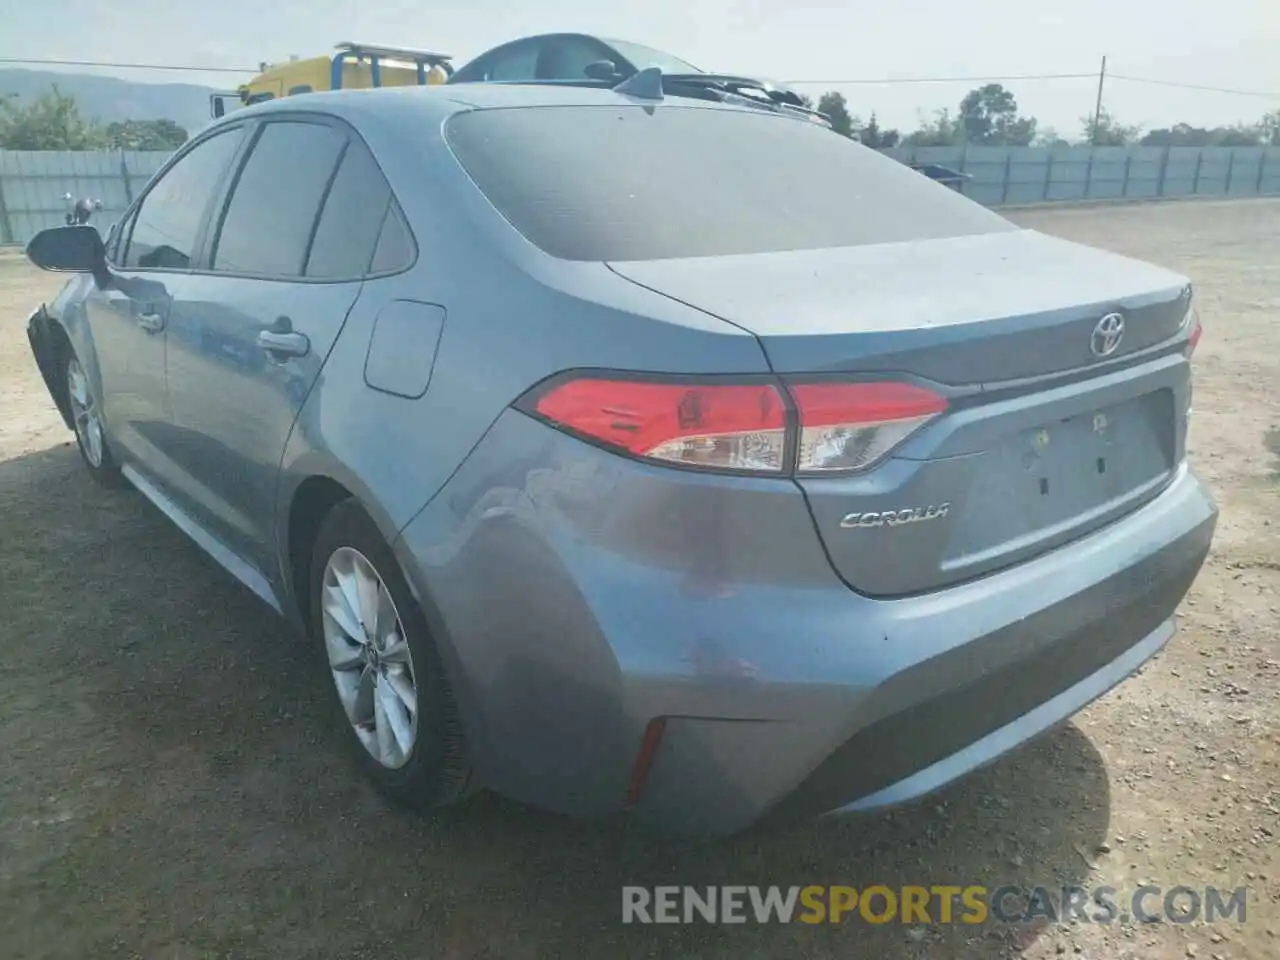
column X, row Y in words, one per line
column 77, row 249
column 601, row 70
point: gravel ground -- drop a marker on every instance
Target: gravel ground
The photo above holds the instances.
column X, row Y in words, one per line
column 173, row 785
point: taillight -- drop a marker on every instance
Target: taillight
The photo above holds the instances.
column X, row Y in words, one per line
column 1193, row 338
column 726, row 427
column 742, row 427
column 1191, row 323
column 850, row 426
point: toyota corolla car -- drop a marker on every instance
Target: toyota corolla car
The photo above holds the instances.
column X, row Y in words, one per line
column 611, row 471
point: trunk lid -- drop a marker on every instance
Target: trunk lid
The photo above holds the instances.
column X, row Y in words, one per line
column 1043, row 440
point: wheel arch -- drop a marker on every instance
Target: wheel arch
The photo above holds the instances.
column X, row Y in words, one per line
column 310, row 503
column 50, row 343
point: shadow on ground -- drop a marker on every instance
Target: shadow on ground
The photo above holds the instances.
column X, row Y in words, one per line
column 177, row 787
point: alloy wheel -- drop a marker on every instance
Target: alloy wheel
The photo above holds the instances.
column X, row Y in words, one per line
column 84, row 411
column 369, row 657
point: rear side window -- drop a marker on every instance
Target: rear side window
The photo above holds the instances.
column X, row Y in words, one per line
column 352, row 218
column 269, row 220
column 168, row 220
column 395, row 245
column 637, row 183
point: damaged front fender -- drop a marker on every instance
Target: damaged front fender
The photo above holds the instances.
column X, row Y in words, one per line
column 47, row 341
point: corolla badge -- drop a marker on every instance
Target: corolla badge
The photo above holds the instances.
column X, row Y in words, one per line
column 895, row 518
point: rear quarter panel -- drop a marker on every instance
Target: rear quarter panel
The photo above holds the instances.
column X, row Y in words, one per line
column 513, row 317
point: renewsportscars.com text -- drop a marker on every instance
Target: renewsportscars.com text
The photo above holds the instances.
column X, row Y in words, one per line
column 936, row 904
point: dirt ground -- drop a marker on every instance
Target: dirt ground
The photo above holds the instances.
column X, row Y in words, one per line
column 173, row 786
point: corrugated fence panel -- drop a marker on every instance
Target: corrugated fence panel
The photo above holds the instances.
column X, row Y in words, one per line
column 33, row 185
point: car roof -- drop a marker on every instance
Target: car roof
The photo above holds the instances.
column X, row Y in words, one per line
column 437, row 103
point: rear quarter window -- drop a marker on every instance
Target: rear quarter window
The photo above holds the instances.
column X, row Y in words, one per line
column 637, row 183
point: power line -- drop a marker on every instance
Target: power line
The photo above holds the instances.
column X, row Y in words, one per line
column 122, row 66
column 1273, row 95
column 846, row 81
column 970, row 79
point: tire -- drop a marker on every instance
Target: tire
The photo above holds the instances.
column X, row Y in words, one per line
column 91, row 434
column 432, row 771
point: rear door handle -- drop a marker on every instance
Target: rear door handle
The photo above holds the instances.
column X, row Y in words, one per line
column 284, row 344
column 149, row 320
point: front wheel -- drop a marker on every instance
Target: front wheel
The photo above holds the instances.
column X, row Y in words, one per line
column 87, row 421
column 393, row 695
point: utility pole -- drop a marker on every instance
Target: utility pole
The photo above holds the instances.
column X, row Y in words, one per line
column 1097, row 107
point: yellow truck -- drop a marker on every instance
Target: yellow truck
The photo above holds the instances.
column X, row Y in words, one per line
column 355, row 66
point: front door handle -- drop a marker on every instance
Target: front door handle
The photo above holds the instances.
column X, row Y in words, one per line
column 150, row 321
column 284, row 344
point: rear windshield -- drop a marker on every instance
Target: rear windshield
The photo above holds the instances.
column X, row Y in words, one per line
column 639, row 183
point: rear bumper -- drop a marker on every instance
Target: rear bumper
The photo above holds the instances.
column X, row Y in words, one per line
column 782, row 690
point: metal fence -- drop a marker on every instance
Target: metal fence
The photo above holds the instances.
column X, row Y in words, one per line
column 1013, row 175
column 33, row 184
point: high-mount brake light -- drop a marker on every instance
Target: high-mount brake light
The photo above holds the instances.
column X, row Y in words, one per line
column 842, row 427
column 851, row 426
column 718, row 426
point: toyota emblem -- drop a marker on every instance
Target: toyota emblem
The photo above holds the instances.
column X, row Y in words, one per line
column 1107, row 335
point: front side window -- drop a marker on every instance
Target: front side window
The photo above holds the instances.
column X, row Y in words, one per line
column 642, row 57
column 168, row 220
column 270, row 218
column 567, row 58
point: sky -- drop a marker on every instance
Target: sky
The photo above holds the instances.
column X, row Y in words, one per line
column 1226, row 43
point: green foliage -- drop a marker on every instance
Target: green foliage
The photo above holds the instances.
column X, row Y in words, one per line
column 873, row 136
column 54, row 122
column 1105, row 130
column 144, row 135
column 833, row 105
column 1185, row 135
column 943, row 130
column 1269, row 127
column 989, row 116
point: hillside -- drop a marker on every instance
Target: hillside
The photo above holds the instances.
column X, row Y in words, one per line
column 110, row 99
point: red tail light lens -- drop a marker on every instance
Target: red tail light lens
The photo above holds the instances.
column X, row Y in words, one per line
column 1193, row 339
column 850, row 426
column 742, row 427
column 729, row 427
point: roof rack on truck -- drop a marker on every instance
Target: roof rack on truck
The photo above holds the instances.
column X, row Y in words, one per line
column 354, row 66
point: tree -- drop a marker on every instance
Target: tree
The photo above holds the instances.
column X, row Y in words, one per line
column 942, row 130
column 1185, row 135
column 873, row 136
column 53, row 122
column 144, row 135
column 1269, row 127
column 836, row 109
column 989, row 115
column 1049, row 137
column 1105, row 130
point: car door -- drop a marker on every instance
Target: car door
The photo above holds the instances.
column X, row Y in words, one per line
column 149, row 254
column 248, row 335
